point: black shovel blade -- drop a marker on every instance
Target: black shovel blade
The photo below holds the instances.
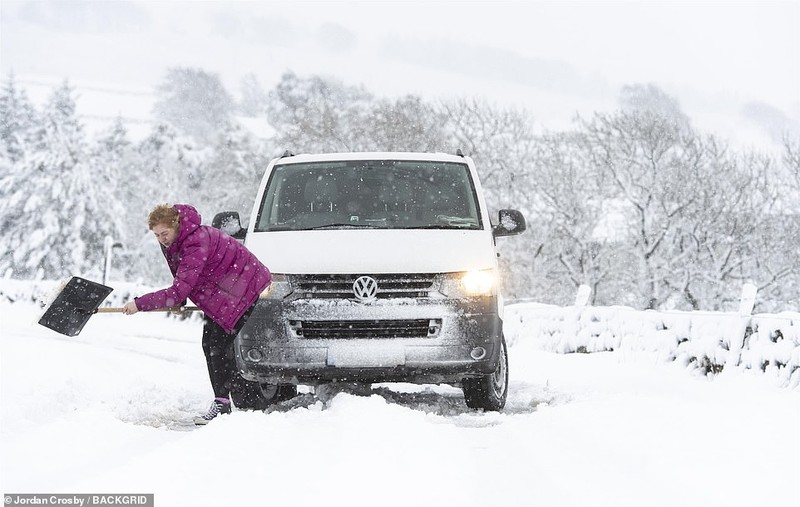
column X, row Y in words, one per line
column 73, row 306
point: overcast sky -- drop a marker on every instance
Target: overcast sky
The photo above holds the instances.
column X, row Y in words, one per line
column 702, row 51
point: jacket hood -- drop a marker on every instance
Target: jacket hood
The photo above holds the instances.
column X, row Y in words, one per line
column 190, row 221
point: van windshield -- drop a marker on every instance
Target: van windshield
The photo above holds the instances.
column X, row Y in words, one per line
column 381, row 194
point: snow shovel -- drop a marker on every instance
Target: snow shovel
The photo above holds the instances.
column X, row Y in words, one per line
column 78, row 300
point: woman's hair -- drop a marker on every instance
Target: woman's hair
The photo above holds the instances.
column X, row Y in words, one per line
column 164, row 214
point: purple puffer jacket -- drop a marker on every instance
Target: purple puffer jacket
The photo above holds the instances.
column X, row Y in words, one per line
column 220, row 275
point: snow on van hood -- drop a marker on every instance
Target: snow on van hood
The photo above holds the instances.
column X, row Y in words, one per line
column 373, row 251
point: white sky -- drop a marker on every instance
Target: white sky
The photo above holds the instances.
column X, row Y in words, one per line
column 704, row 52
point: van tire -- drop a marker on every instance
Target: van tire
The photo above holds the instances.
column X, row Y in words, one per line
column 286, row 392
column 489, row 392
column 247, row 395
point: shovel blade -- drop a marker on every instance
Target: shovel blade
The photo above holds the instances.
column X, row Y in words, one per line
column 73, row 306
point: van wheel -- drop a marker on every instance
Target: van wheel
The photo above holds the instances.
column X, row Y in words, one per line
column 247, row 395
column 490, row 391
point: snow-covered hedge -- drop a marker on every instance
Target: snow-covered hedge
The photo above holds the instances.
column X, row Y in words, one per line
column 708, row 341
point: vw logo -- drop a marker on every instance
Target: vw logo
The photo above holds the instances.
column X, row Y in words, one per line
column 365, row 288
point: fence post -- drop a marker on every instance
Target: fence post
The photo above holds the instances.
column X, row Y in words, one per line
column 582, row 297
column 748, row 300
column 735, row 343
column 108, row 249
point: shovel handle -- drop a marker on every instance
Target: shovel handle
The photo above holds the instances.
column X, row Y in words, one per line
column 175, row 309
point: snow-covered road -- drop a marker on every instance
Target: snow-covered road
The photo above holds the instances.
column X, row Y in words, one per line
column 95, row 414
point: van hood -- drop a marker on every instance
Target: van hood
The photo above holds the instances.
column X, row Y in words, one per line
column 352, row 251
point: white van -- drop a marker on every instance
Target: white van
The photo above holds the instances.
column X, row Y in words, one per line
column 384, row 270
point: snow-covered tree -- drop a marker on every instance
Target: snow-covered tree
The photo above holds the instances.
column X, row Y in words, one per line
column 651, row 99
column 714, row 247
column 17, row 120
column 406, row 124
column 791, row 159
column 319, row 115
column 649, row 163
column 573, row 222
column 695, row 214
column 253, row 101
column 499, row 139
column 114, row 154
column 170, row 164
column 234, row 168
column 56, row 208
column 114, row 142
column 195, row 102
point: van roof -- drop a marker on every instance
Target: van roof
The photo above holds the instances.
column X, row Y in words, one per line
column 376, row 155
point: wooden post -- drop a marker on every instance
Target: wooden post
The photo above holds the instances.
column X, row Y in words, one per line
column 748, row 300
column 735, row 342
column 582, row 297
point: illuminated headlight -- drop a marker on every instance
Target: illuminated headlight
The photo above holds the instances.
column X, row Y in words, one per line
column 470, row 283
column 479, row 283
column 278, row 289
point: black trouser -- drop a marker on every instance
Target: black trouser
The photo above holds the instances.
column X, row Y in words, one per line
column 220, row 356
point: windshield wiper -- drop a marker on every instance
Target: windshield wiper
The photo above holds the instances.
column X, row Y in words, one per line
column 346, row 225
column 440, row 226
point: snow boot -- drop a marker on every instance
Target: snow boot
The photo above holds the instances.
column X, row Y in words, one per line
column 218, row 406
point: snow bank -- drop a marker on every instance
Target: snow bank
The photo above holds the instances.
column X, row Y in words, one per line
column 709, row 342
column 104, row 411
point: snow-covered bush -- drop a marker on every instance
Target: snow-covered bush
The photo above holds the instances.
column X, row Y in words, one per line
column 708, row 342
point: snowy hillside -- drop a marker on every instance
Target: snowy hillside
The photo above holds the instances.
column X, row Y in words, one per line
column 102, row 412
column 732, row 69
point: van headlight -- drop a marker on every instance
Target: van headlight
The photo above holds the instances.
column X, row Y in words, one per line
column 278, row 289
column 470, row 283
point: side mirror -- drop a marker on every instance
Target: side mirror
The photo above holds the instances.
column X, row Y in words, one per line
column 229, row 222
column 510, row 222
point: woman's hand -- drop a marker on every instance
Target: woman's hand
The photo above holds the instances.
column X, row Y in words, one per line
column 130, row 308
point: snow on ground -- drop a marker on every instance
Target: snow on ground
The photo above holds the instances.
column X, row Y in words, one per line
column 98, row 413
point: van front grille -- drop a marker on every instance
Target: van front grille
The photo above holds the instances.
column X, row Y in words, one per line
column 390, row 286
column 336, row 329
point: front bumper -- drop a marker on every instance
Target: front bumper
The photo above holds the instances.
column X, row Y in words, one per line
column 462, row 339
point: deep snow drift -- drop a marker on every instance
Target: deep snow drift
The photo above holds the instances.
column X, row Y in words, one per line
column 97, row 413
